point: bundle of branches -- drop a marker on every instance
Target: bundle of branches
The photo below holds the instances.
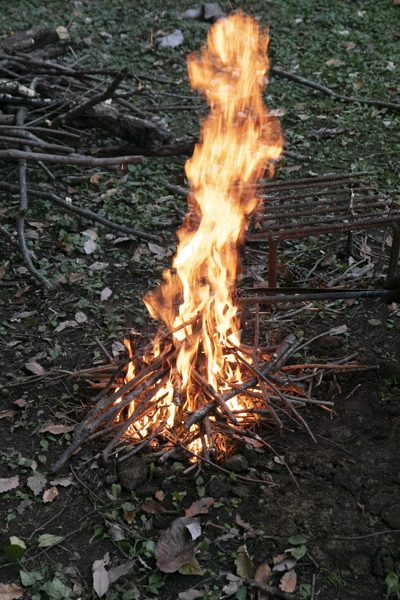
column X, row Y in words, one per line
column 43, row 97
column 141, row 402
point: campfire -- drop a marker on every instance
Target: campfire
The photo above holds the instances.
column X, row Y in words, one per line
column 197, row 387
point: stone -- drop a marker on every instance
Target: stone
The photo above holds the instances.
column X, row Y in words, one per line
column 133, row 473
column 237, row 463
column 392, row 516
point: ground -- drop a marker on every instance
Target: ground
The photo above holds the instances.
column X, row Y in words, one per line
column 343, row 494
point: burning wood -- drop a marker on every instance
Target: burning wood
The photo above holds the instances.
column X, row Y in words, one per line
column 197, row 385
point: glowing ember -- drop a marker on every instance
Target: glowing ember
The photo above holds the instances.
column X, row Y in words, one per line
column 239, row 141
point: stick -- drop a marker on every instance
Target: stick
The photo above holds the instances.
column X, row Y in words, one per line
column 23, row 209
column 74, row 159
column 145, row 442
column 211, row 392
column 78, row 110
column 102, row 348
column 321, row 88
column 88, row 214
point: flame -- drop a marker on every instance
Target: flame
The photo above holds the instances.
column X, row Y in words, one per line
column 239, row 141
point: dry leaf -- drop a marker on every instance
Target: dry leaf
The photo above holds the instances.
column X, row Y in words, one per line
column 63, row 481
column 285, row 563
column 8, row 484
column 96, row 177
column 10, row 591
column 105, row 294
column 334, row 61
column 391, row 89
column 101, row 582
column 22, row 291
column 349, row 46
column 35, row 368
column 254, row 443
column 153, row 507
column 20, row 402
column 288, row 582
column 176, row 547
column 390, row 66
column 61, row 326
column 36, row 483
column 80, row 317
column 200, row 507
column 129, row 516
column 88, row 41
column 357, row 84
column 388, row 242
column 89, row 246
column 338, row 330
column 303, row 117
column 62, row 33
column 243, row 562
column 294, row 168
column 160, row 495
column 73, row 277
column 117, row 572
column 57, row 428
column 239, row 521
column 263, row 575
column 190, row 594
column 277, row 112
column 8, row 413
column 50, row 494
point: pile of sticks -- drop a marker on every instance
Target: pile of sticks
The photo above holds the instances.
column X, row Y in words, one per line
column 270, row 394
column 47, row 109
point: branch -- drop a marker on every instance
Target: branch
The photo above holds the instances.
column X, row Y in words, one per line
column 88, row 214
column 321, row 88
column 98, row 99
column 74, row 159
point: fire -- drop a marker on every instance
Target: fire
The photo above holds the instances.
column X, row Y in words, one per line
column 239, row 141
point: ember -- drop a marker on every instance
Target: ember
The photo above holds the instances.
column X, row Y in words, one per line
column 196, row 384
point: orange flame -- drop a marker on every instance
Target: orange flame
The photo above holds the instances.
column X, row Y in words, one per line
column 239, row 141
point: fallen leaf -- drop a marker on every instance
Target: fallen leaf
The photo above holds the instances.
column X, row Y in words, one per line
column 117, row 348
column 62, row 33
column 61, row 326
column 101, row 581
column 239, row 521
column 57, row 428
column 175, row 547
column 160, row 495
column 277, row 112
column 294, row 168
column 50, row 494
column 390, row 66
column 159, row 250
column 375, row 322
column 63, row 481
column 36, row 483
column 254, row 443
column 96, row 177
column 20, row 402
column 388, row 242
column 334, row 61
column 48, row 539
column 117, row 572
column 22, row 291
column 153, row 507
column 121, row 239
column 8, row 413
column 391, row 89
column 231, row 588
column 191, row 568
column 357, row 84
column 89, row 246
column 288, row 582
column 8, row 484
column 35, row 368
column 190, row 594
column 10, row 591
column 105, row 294
column 73, row 277
column 349, row 46
column 15, row 541
column 263, row 575
column 243, row 562
column 338, row 330
column 98, row 266
column 200, row 507
column 303, row 117
column 286, row 563
column 115, row 531
column 130, row 515
column 80, row 317
column 172, row 40
column 88, row 41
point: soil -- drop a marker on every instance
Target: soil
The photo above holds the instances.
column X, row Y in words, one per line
column 341, row 493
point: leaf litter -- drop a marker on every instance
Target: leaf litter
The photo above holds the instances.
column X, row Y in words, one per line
column 176, row 546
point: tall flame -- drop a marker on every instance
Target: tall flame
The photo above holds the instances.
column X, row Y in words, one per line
column 238, row 142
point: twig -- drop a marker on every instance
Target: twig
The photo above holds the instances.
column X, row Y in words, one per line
column 78, row 110
column 102, row 348
column 88, row 214
column 368, row 535
column 73, row 159
column 321, row 88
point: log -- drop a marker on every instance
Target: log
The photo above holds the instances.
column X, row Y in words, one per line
column 34, row 37
column 141, row 132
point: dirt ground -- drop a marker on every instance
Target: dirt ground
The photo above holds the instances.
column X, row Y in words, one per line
column 343, row 492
